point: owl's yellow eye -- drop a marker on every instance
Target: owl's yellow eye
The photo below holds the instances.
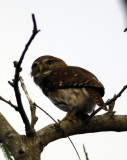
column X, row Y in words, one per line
column 50, row 63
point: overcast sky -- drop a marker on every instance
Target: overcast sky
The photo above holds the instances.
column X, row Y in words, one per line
column 85, row 33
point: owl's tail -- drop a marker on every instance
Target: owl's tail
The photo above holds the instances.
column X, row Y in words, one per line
column 96, row 96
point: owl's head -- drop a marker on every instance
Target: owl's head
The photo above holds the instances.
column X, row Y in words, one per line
column 43, row 66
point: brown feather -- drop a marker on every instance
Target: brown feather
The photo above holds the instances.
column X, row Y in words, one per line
column 68, row 87
column 72, row 77
column 95, row 95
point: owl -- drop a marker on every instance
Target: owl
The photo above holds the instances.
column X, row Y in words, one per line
column 72, row 89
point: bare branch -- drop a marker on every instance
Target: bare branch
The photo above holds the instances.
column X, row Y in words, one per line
column 35, row 24
column 35, row 31
column 11, row 83
column 125, row 30
column 9, row 102
column 116, row 96
column 18, row 69
column 32, row 105
column 99, row 123
column 95, row 112
column 46, row 113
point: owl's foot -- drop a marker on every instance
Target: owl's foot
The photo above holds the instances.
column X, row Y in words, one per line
column 71, row 116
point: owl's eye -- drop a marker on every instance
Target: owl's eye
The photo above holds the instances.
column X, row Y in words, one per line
column 50, row 63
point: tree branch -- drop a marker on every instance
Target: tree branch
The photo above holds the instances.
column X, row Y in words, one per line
column 9, row 102
column 21, row 146
column 6, row 131
column 32, row 104
column 99, row 123
column 18, row 69
column 116, row 96
column 125, row 30
column 35, row 31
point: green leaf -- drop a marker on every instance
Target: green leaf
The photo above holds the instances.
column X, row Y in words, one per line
column 6, row 152
column 86, row 154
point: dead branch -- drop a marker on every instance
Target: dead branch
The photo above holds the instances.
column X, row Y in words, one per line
column 116, row 96
column 32, row 104
column 9, row 102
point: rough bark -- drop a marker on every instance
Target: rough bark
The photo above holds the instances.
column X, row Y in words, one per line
column 30, row 148
column 21, row 146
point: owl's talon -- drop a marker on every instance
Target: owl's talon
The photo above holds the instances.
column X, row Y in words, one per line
column 69, row 118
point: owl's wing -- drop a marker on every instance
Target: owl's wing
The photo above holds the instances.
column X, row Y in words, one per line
column 72, row 77
column 75, row 77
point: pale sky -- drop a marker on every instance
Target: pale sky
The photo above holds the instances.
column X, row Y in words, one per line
column 85, row 33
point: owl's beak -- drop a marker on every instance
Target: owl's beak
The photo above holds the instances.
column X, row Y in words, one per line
column 40, row 68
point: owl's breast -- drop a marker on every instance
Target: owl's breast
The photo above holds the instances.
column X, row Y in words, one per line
column 72, row 99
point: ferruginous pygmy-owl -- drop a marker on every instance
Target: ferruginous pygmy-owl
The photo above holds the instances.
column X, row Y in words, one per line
column 71, row 89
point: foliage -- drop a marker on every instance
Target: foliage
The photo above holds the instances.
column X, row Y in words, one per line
column 86, row 154
column 6, row 152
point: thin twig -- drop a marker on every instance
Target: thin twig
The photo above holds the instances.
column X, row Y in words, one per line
column 9, row 102
column 35, row 31
column 116, row 96
column 109, row 102
column 60, row 129
column 125, row 30
column 32, row 105
column 111, row 106
column 35, row 24
column 11, row 83
column 17, row 65
column 95, row 112
column 45, row 113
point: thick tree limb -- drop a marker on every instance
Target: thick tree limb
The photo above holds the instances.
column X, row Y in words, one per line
column 24, row 145
column 7, row 133
column 101, row 123
column 5, row 129
column 21, row 147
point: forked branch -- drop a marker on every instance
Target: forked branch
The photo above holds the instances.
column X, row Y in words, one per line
column 9, row 102
column 17, row 65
